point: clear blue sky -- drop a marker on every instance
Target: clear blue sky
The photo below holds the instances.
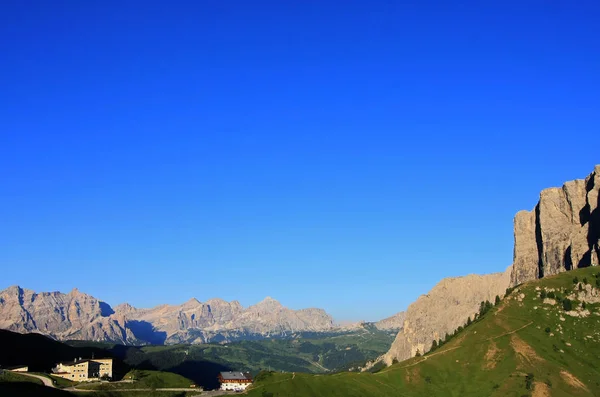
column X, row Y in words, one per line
column 336, row 154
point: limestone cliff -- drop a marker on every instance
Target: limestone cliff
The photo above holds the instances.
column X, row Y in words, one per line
column 442, row 310
column 561, row 233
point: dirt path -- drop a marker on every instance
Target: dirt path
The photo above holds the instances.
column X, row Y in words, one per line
column 47, row 381
column 510, row 332
column 130, row 390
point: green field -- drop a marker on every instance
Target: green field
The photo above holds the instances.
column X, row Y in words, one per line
column 522, row 347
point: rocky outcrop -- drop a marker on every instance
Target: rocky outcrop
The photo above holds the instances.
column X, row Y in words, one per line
column 441, row 311
column 395, row 322
column 77, row 316
column 561, row 233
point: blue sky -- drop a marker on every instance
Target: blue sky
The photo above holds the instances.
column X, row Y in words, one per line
column 344, row 155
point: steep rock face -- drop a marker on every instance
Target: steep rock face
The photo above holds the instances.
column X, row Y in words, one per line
column 561, row 233
column 78, row 316
column 446, row 307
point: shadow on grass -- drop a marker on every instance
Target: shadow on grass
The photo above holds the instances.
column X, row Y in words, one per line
column 204, row 373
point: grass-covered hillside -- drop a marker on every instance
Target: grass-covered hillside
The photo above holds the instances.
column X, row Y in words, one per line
column 541, row 340
column 140, row 379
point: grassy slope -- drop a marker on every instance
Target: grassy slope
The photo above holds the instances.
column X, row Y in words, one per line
column 144, row 380
column 14, row 377
column 492, row 357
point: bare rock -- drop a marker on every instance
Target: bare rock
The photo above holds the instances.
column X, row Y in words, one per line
column 446, row 307
column 395, row 322
column 79, row 316
column 62, row 316
column 561, row 233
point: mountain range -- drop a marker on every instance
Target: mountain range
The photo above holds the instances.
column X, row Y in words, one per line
column 78, row 316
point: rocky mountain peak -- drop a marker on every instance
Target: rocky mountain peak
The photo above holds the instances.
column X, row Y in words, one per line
column 267, row 304
column 124, row 308
column 193, row 302
column 269, row 301
column 13, row 290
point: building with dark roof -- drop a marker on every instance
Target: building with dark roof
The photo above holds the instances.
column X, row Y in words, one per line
column 235, row 381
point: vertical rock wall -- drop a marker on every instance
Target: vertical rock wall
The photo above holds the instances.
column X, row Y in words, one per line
column 561, row 233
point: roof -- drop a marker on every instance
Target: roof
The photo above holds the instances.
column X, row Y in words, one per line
column 14, row 367
column 70, row 363
column 229, row 375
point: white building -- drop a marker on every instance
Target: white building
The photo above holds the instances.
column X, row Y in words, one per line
column 235, row 381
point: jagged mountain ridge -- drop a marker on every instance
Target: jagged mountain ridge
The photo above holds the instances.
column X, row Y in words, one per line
column 78, row 316
column 63, row 316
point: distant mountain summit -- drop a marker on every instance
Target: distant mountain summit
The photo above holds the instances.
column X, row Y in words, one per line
column 78, row 316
